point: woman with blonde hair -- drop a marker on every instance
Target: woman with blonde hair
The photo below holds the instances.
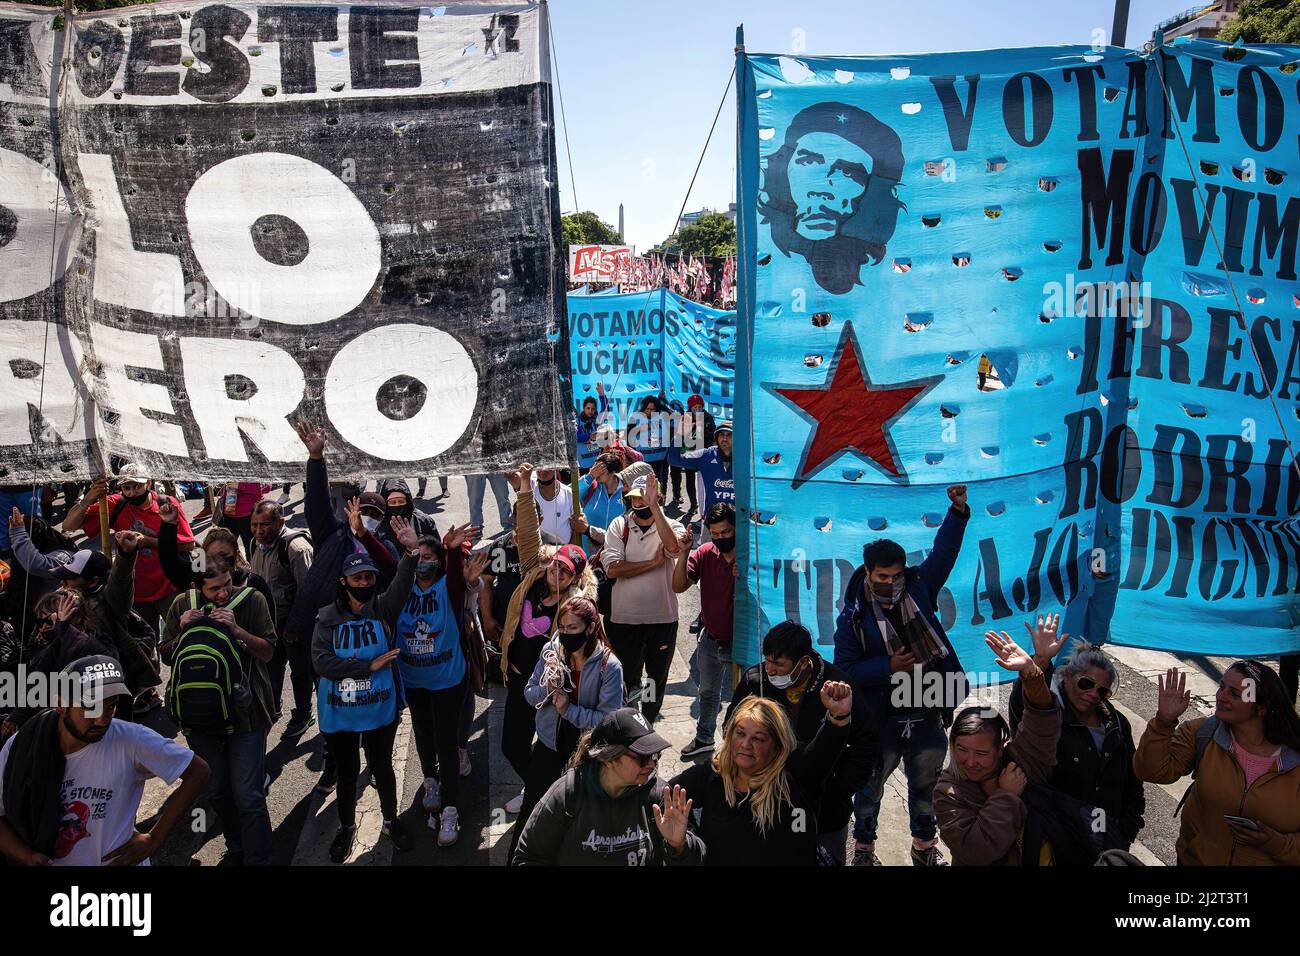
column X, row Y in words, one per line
column 755, row 803
column 548, row 577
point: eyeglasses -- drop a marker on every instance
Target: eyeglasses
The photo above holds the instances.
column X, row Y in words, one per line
column 1087, row 683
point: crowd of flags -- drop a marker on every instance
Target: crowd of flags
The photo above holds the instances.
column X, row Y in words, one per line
column 692, row 277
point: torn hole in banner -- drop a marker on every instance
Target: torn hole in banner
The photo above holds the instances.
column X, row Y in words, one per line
column 900, row 72
column 1048, row 183
column 1226, row 91
column 995, row 508
column 1209, row 168
column 772, row 458
column 949, row 411
column 1235, row 52
column 1295, row 300
column 240, row 388
column 843, row 76
column 1111, row 93
column 269, row 90
column 1289, row 67
column 821, row 319
column 762, row 517
column 956, row 358
column 852, row 474
column 812, row 360
column 1256, row 296
column 961, row 259
column 469, row 49
column 1199, row 283
column 822, row 523
column 1045, row 380
column 877, row 523
column 995, row 164
column 917, row 321
column 248, row 135
column 1074, row 351
column 934, row 457
column 935, row 167
column 1273, row 176
column 929, row 222
column 1047, row 317
column 1195, row 411
column 388, row 188
column 990, row 451
column 1043, row 497
column 931, row 520
column 767, row 132
column 765, row 259
column 992, row 212
column 1042, row 439
column 1052, row 245
column 911, row 109
column 1012, row 273
column 902, row 265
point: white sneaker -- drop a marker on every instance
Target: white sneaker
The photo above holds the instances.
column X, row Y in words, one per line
column 516, row 803
column 464, row 761
column 432, row 801
column 449, row 832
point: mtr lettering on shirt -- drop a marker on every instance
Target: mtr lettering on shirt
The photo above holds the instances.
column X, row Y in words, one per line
column 354, row 635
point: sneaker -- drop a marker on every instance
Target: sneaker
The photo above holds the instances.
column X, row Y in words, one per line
column 465, row 767
column 328, row 778
column 930, row 856
column 862, row 856
column 396, row 832
column 341, row 848
column 432, row 801
column 298, row 725
column 697, row 746
column 516, row 803
column 449, row 832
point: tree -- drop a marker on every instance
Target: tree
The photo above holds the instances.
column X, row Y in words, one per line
column 1264, row 21
column 586, row 228
column 713, row 235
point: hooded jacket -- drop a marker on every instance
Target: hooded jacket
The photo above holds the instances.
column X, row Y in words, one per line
column 860, row 649
column 1167, row 752
column 333, row 541
column 600, row 693
column 985, row 829
column 422, row 523
column 855, row 764
column 578, row 824
column 533, row 559
column 1102, row 779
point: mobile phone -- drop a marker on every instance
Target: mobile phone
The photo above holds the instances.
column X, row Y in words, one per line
column 1246, row 822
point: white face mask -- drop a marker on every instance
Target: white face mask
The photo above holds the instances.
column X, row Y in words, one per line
column 782, row 681
column 371, row 524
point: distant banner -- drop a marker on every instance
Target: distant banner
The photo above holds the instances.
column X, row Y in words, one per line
column 1001, row 269
column 642, row 344
column 598, row 263
column 234, row 216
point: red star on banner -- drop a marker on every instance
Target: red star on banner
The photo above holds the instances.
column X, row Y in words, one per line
column 849, row 413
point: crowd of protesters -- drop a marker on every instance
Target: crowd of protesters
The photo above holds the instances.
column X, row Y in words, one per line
column 371, row 610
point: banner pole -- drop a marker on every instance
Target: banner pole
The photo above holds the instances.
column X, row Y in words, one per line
column 105, row 532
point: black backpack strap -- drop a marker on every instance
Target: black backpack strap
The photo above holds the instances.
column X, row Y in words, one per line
column 117, row 512
column 1204, row 734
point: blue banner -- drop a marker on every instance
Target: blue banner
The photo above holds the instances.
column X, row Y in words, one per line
column 1065, row 277
column 639, row 345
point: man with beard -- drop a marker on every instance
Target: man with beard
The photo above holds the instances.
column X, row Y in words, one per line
column 71, row 779
column 830, row 192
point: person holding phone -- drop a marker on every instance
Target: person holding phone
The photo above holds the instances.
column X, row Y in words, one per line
column 1243, row 806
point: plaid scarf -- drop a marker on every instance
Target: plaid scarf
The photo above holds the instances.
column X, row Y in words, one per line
column 917, row 639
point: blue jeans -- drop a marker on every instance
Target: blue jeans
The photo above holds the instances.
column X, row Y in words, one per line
column 476, row 488
column 714, row 660
column 237, row 790
column 921, row 745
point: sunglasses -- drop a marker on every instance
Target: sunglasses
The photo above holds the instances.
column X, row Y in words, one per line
column 645, row 760
column 1087, row 683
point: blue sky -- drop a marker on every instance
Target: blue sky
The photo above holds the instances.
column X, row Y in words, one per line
column 641, row 79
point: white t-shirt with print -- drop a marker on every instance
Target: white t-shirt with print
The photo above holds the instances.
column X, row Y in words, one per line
column 102, row 786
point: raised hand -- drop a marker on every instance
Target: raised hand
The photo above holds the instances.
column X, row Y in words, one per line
column 404, row 531
column 459, row 534
column 685, row 538
column 353, row 509
column 1008, row 652
column 1173, row 696
column 476, row 566
column 312, row 437
column 168, row 511
column 651, row 499
column 127, row 541
column 525, row 475
column 98, row 489
column 15, row 519
column 1047, row 642
column 1013, row 779
column 957, row 495
column 837, row 698
column 672, row 816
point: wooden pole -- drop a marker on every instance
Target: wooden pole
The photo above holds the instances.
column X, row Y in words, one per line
column 105, row 532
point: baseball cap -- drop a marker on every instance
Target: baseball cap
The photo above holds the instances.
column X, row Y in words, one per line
column 637, row 490
column 573, row 558
column 627, row 728
column 375, row 502
column 100, row 677
column 633, row 472
column 723, row 426
column 356, row 562
column 134, row 471
column 695, row 401
column 82, row 564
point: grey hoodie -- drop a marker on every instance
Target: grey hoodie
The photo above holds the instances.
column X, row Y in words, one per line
column 578, row 824
column 600, row 693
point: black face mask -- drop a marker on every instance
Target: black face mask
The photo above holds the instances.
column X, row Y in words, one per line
column 361, row 594
column 573, row 642
column 725, row 545
column 138, row 501
column 546, row 481
column 402, row 511
column 643, row 513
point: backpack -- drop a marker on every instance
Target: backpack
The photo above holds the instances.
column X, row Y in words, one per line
column 1204, row 734
column 208, row 691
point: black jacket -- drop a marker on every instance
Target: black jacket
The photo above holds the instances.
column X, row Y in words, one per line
column 32, row 780
column 1104, row 779
column 855, row 765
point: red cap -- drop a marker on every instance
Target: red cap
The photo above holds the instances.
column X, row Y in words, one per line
column 695, row 401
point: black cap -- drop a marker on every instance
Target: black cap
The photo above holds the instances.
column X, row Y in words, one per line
column 83, row 564
column 100, row 677
column 626, row 727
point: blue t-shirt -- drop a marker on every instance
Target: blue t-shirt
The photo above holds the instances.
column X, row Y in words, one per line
column 428, row 636
column 600, row 508
column 715, row 473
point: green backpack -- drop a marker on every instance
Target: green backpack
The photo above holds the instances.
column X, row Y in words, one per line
column 207, row 692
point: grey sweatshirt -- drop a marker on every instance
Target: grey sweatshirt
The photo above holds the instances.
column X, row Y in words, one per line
column 386, row 607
